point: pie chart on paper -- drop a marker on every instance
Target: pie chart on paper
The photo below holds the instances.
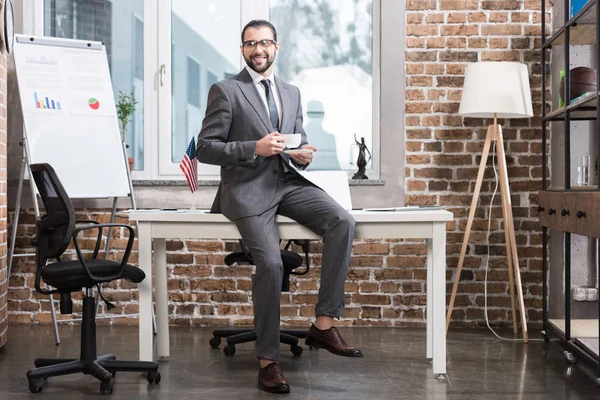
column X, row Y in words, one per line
column 93, row 103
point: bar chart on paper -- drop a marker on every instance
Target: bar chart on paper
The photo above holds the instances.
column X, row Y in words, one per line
column 45, row 102
column 68, row 103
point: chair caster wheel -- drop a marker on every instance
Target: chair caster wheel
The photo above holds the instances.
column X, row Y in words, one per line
column 153, row 377
column 215, row 342
column 297, row 350
column 570, row 357
column 36, row 385
column 569, row 372
column 546, row 337
column 229, row 350
column 106, row 387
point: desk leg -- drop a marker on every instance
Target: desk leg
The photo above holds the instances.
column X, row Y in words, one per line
column 145, row 288
column 162, row 300
column 439, row 299
column 429, row 309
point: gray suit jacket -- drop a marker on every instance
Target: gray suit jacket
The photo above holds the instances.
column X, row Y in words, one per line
column 236, row 118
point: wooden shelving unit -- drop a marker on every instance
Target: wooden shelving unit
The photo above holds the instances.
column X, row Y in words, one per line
column 582, row 109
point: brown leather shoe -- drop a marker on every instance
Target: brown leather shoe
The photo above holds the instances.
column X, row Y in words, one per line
column 331, row 340
column 271, row 379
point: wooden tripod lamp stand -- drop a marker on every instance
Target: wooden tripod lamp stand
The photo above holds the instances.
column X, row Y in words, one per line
column 496, row 90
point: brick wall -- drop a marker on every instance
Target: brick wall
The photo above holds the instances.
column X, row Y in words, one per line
column 386, row 283
column 3, row 209
column 444, row 150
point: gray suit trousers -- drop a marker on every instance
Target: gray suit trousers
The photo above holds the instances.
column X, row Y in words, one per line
column 313, row 208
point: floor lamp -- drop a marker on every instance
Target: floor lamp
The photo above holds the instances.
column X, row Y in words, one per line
column 496, row 90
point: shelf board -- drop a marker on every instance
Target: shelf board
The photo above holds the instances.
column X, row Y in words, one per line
column 583, row 108
column 581, row 34
column 582, row 28
column 590, row 344
column 580, row 328
column 591, row 188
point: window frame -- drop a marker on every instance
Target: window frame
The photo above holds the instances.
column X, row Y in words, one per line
column 157, row 165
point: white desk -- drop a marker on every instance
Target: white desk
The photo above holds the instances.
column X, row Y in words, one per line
column 156, row 226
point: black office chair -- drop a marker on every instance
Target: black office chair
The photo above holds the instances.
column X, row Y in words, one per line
column 54, row 231
column 291, row 262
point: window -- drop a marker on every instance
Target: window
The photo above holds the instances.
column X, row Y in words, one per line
column 109, row 22
column 330, row 50
column 194, row 114
column 210, row 80
column 327, row 51
column 135, row 142
column 207, row 37
column 173, row 89
column 193, row 82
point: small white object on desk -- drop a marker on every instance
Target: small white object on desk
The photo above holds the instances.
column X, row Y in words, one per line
column 404, row 208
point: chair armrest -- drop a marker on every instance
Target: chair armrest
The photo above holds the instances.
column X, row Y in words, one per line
column 100, row 279
column 305, row 244
column 98, row 239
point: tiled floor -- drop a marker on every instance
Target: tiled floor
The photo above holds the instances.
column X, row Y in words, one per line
column 394, row 367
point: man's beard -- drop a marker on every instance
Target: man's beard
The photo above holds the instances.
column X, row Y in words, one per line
column 268, row 62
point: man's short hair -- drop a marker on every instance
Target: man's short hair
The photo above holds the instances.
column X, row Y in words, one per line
column 259, row 23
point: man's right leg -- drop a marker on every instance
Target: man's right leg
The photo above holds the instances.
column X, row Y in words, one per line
column 261, row 238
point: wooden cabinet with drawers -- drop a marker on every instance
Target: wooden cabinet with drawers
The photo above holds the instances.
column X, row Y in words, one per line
column 574, row 212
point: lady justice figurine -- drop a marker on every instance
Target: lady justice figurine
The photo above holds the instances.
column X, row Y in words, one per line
column 362, row 161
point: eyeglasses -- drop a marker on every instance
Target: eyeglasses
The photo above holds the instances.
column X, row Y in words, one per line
column 251, row 44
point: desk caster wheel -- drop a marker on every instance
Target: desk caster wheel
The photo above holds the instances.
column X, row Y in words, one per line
column 296, row 350
column 153, row 377
column 215, row 342
column 229, row 350
column 106, row 387
column 36, row 385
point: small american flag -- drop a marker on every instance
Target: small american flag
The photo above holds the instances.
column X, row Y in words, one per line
column 189, row 166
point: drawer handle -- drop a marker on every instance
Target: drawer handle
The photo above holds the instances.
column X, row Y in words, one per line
column 564, row 212
column 580, row 214
column 540, row 208
column 551, row 211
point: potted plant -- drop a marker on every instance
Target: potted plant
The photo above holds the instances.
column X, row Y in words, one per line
column 125, row 108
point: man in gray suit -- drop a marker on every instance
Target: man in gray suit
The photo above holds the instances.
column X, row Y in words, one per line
column 242, row 131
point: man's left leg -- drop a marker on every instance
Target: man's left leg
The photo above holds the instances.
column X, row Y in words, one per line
column 316, row 210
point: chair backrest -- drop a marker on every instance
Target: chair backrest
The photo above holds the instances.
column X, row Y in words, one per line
column 291, row 260
column 55, row 227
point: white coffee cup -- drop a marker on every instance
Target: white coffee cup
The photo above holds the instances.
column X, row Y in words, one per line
column 292, row 140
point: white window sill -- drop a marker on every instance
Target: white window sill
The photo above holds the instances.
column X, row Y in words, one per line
column 352, row 182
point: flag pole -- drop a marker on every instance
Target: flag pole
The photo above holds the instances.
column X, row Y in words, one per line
column 193, row 207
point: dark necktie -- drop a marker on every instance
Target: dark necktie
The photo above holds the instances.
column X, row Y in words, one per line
column 274, row 115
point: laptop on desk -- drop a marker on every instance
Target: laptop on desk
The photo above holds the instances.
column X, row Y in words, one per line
column 334, row 183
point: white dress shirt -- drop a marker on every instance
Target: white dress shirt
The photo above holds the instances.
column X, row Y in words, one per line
column 257, row 78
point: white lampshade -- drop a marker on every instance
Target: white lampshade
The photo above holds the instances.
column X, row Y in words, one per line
column 496, row 88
